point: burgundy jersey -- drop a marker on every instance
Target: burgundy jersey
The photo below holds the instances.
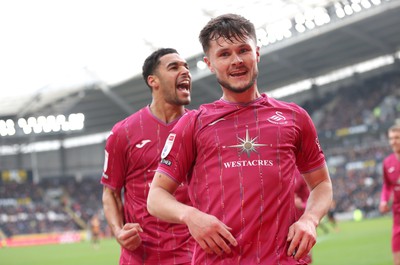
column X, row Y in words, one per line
column 239, row 161
column 391, row 181
column 391, row 185
column 132, row 154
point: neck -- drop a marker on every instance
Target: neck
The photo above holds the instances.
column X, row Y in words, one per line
column 243, row 97
column 166, row 112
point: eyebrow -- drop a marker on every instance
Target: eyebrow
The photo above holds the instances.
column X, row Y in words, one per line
column 176, row 63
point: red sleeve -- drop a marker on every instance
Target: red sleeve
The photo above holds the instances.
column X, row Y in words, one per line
column 179, row 150
column 115, row 160
column 310, row 156
column 386, row 187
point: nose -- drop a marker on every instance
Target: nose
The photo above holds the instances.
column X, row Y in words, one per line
column 237, row 59
column 185, row 71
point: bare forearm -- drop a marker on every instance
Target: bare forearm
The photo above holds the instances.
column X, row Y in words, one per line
column 319, row 202
column 113, row 210
column 163, row 205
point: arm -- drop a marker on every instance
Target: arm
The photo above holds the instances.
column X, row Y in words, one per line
column 385, row 196
column 127, row 235
column 211, row 234
column 303, row 233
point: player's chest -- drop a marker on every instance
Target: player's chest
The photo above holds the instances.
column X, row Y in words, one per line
column 251, row 131
column 393, row 172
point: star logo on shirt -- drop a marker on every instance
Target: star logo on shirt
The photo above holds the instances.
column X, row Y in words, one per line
column 248, row 144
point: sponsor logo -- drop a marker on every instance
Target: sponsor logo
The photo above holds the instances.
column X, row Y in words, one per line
column 168, row 145
column 248, row 144
column 277, row 118
column 166, row 162
column 143, row 143
column 249, row 163
column 391, row 170
column 318, row 144
column 105, row 161
column 105, row 175
column 214, row 122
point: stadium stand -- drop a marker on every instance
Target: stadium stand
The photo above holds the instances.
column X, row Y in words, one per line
column 351, row 115
column 354, row 164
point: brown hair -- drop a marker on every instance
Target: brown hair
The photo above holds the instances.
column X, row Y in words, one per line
column 231, row 27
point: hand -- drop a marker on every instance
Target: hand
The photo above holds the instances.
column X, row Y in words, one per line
column 128, row 237
column 384, row 207
column 302, row 237
column 212, row 235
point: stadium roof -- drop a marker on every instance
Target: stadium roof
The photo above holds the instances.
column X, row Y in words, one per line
column 357, row 38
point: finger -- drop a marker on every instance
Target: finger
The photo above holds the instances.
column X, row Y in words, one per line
column 133, row 242
column 303, row 249
column 290, row 234
column 293, row 246
column 227, row 236
column 205, row 247
column 213, row 246
column 130, row 226
column 221, row 244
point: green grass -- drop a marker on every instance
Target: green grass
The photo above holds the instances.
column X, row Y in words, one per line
column 367, row 242
column 66, row 254
column 357, row 243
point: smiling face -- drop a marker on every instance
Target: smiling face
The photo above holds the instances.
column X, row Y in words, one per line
column 234, row 63
column 172, row 80
column 394, row 140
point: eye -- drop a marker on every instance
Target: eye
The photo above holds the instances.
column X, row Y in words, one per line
column 224, row 54
column 244, row 50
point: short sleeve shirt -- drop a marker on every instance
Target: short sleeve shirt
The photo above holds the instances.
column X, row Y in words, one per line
column 239, row 161
column 132, row 154
column 391, row 181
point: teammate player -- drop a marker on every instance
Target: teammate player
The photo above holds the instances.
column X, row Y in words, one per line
column 391, row 184
column 238, row 155
column 131, row 157
column 95, row 230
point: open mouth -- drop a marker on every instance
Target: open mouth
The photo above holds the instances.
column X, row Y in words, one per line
column 238, row 73
column 184, row 86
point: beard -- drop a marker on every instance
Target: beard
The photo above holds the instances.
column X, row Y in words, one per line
column 174, row 99
column 240, row 89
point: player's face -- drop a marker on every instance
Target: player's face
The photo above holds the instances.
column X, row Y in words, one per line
column 234, row 63
column 394, row 140
column 175, row 81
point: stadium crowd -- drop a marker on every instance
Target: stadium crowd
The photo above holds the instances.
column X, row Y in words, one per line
column 52, row 205
column 352, row 122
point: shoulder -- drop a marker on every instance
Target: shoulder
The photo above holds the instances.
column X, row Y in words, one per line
column 282, row 104
column 297, row 111
column 390, row 160
column 122, row 127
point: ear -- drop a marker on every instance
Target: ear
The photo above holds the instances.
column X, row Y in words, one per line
column 152, row 80
column 207, row 61
column 258, row 54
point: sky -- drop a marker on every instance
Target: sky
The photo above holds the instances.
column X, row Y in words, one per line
column 56, row 44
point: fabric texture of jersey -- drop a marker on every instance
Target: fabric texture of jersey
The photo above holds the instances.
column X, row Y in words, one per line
column 241, row 162
column 391, row 184
column 132, row 154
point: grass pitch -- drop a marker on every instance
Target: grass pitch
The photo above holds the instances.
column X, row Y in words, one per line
column 366, row 242
column 357, row 243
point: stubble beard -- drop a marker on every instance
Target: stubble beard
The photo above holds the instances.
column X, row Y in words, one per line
column 174, row 99
column 238, row 90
